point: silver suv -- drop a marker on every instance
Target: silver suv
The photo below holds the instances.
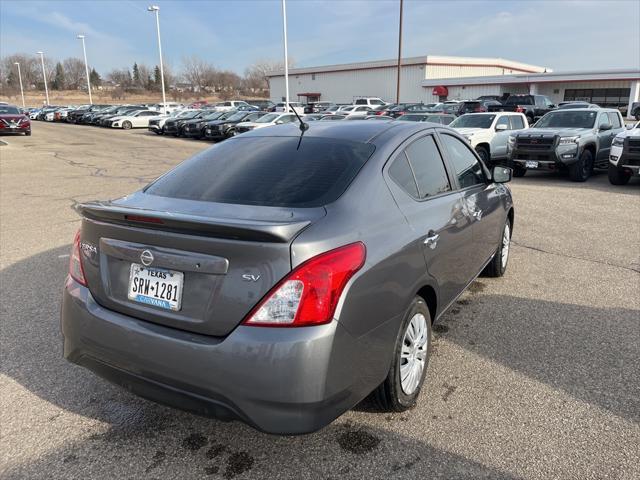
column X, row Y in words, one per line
column 576, row 140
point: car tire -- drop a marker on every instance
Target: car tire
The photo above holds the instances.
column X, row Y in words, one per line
column 618, row 176
column 394, row 394
column 27, row 134
column 126, row 125
column 498, row 264
column 519, row 171
column 581, row 170
column 483, row 153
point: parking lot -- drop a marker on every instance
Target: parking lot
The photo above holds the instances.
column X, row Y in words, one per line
column 535, row 375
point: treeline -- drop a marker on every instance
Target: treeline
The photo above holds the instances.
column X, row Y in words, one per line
column 195, row 77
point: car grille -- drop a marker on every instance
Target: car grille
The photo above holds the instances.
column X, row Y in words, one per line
column 154, row 122
column 535, row 143
column 634, row 146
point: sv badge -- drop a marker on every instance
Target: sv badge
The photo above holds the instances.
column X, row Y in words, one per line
column 248, row 277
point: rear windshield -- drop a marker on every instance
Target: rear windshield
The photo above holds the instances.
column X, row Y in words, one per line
column 519, row 100
column 269, row 171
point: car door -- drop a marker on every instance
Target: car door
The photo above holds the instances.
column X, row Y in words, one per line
column 615, row 119
column 481, row 200
column 605, row 137
column 423, row 191
column 498, row 142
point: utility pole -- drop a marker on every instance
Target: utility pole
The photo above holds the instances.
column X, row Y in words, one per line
column 21, row 89
column 86, row 68
column 286, row 56
column 399, row 55
column 44, row 76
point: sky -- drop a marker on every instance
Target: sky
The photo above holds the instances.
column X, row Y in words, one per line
column 232, row 34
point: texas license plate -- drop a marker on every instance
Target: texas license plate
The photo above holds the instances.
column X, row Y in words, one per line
column 531, row 164
column 156, row 286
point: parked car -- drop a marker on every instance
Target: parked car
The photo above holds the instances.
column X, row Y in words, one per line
column 575, row 140
column 335, row 109
column 488, row 133
column 76, row 113
column 33, row 114
column 279, row 279
column 476, row 106
column 275, row 118
column 229, row 105
column 263, row 105
column 312, row 117
column 355, row 111
column 378, row 117
column 315, row 107
column 441, row 118
column 168, row 108
column 576, row 104
column 497, row 98
column 405, row 108
column 14, row 121
column 635, row 110
column 328, row 118
column 369, row 101
column 156, row 124
column 226, row 127
column 293, row 106
column 195, row 127
column 533, row 106
column 135, row 119
column 624, row 159
column 105, row 120
column 89, row 117
column 174, row 126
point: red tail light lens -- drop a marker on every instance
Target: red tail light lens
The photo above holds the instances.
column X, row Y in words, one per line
column 75, row 262
column 520, row 110
column 310, row 293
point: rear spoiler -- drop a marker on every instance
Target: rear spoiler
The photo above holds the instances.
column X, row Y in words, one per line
column 232, row 228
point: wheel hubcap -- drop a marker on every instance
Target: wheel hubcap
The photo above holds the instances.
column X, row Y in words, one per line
column 413, row 355
column 506, row 241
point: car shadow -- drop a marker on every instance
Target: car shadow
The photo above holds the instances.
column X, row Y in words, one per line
column 590, row 353
column 598, row 181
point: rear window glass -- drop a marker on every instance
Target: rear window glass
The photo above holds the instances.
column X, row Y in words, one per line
column 269, row 171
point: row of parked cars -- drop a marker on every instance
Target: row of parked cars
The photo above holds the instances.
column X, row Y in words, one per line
column 525, row 132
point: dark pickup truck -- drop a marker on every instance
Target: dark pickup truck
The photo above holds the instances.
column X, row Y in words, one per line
column 533, row 106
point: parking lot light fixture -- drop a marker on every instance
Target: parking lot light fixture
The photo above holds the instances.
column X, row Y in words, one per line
column 20, row 80
column 86, row 67
column 44, row 76
column 156, row 9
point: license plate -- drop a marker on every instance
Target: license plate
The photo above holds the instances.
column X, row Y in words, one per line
column 156, row 286
column 531, row 164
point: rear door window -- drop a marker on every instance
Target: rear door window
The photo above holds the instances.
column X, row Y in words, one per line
column 503, row 120
column 517, row 122
column 428, row 167
column 401, row 173
column 269, row 171
column 614, row 119
column 465, row 163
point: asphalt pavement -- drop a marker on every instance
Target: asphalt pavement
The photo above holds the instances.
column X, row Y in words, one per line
column 534, row 376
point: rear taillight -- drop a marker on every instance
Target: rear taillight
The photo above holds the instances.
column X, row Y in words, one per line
column 520, row 110
column 75, row 262
column 310, row 293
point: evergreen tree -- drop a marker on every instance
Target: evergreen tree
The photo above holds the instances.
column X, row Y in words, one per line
column 95, row 79
column 136, row 75
column 156, row 76
column 58, row 81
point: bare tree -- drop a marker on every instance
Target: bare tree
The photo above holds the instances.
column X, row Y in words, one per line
column 257, row 75
column 201, row 74
column 74, row 73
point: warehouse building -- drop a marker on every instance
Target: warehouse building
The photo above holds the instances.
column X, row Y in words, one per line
column 431, row 79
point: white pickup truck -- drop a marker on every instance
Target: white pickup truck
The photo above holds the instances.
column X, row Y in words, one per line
column 488, row 132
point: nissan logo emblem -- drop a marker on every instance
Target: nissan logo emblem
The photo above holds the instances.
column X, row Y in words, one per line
column 146, row 258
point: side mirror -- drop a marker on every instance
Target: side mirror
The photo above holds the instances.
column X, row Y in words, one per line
column 553, row 106
column 501, row 174
column 501, row 128
column 279, row 122
column 605, row 126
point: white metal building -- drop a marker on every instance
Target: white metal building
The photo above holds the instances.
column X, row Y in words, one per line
column 341, row 83
column 434, row 78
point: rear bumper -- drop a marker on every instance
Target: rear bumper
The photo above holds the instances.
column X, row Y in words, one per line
column 279, row 380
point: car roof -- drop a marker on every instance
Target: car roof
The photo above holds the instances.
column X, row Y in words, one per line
column 358, row 130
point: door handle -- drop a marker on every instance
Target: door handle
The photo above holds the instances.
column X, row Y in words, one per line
column 432, row 239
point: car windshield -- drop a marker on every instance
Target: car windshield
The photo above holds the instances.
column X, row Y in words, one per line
column 236, row 116
column 348, row 109
column 568, row 119
column 519, row 100
column 269, row 171
column 213, row 115
column 268, row 118
column 9, row 110
column 473, row 121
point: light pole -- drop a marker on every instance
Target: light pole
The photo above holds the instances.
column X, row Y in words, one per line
column 399, row 56
column 286, row 56
column 155, row 8
column 20, row 79
column 44, row 76
column 86, row 67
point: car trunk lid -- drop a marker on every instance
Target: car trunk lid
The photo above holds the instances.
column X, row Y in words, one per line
column 227, row 256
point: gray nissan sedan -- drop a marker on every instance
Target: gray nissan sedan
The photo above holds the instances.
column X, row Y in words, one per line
column 279, row 278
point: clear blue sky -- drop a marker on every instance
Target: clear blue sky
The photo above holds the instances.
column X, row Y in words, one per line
column 563, row 35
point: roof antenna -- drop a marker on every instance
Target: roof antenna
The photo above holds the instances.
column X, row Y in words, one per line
column 303, row 126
